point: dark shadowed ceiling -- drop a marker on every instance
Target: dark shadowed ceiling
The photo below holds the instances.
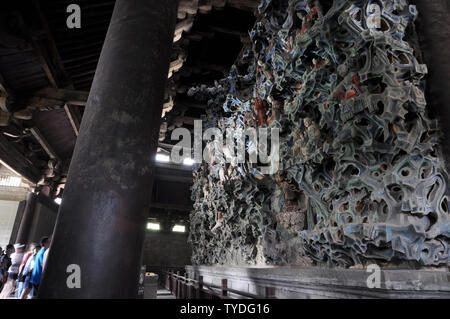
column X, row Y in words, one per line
column 46, row 71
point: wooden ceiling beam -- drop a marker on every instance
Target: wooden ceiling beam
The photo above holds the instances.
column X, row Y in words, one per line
column 47, row 51
column 74, row 115
column 44, row 61
column 43, row 142
column 81, row 50
column 16, row 161
column 57, row 98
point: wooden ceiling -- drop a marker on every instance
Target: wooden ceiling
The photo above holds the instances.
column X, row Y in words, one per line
column 46, row 71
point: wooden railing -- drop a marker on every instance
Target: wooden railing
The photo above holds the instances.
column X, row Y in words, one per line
column 183, row 287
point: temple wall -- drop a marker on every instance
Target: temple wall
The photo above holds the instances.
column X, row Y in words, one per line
column 44, row 221
column 164, row 250
column 361, row 176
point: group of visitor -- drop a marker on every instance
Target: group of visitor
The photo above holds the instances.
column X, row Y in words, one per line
column 21, row 269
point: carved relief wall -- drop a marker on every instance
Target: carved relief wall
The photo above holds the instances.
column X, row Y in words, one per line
column 361, row 177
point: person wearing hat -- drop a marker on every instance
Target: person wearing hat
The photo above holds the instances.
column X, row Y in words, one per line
column 13, row 271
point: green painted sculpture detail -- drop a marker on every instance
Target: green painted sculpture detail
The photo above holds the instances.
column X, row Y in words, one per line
column 361, row 178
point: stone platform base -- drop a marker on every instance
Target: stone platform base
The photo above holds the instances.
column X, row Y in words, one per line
column 313, row 283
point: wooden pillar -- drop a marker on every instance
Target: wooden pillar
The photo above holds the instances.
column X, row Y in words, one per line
column 101, row 224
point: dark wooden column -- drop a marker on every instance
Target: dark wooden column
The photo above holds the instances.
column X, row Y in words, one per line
column 101, row 223
column 27, row 219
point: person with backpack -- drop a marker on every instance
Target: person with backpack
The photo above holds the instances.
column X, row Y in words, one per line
column 28, row 271
column 21, row 277
column 39, row 266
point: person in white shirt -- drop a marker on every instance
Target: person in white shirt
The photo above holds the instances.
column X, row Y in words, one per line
column 13, row 271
